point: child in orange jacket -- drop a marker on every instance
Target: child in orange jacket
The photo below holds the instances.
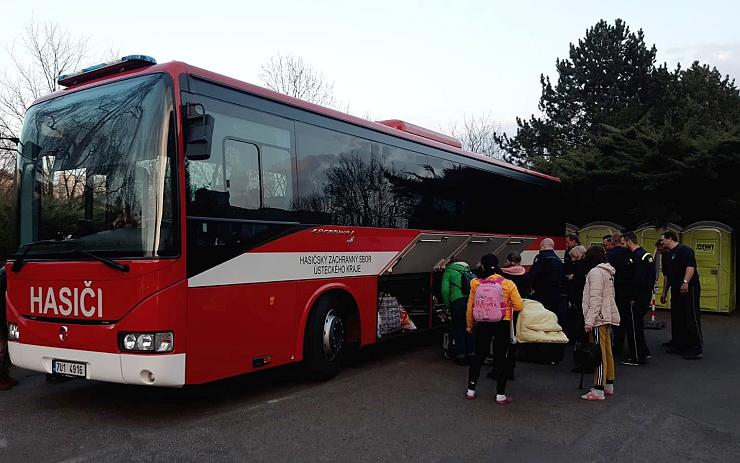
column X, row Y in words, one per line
column 499, row 332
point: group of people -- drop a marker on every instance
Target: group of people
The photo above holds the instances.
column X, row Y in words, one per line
column 600, row 294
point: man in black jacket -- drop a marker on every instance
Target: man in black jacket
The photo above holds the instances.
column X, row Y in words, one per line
column 641, row 292
column 548, row 280
column 683, row 280
column 621, row 259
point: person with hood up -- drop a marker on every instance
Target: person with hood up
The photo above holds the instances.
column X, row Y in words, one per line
column 457, row 302
column 513, row 270
column 600, row 313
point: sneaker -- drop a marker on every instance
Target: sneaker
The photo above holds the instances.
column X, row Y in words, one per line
column 693, row 355
column 593, row 395
column 470, row 394
column 505, row 401
column 631, row 362
column 648, row 356
column 609, row 389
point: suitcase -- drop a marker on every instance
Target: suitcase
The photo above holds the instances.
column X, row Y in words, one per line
column 544, row 353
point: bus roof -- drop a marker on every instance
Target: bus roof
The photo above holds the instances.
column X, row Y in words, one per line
column 177, row 68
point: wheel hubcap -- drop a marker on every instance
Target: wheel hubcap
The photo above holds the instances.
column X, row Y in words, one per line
column 333, row 335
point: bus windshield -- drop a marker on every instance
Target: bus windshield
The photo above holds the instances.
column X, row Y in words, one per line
column 96, row 169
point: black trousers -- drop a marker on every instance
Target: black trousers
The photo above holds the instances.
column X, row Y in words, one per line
column 675, row 335
column 620, row 332
column 500, row 332
column 688, row 320
column 463, row 341
column 576, row 323
column 633, row 325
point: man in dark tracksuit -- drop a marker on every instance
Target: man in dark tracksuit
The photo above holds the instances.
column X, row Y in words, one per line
column 685, row 292
column 643, row 274
column 621, row 259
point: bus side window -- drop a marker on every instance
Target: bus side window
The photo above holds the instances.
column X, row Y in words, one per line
column 242, row 174
column 277, row 178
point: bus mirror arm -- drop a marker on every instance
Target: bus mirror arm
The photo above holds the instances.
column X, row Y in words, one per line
column 198, row 132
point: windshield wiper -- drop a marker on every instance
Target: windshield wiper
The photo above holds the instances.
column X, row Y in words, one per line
column 110, row 263
column 20, row 260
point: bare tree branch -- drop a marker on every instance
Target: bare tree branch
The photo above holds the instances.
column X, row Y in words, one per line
column 477, row 134
column 37, row 58
column 290, row 75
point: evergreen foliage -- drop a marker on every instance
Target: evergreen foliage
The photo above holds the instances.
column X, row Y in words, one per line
column 633, row 141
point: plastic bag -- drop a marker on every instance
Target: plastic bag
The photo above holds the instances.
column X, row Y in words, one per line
column 406, row 323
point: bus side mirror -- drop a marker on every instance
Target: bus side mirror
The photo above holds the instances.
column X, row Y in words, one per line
column 198, row 132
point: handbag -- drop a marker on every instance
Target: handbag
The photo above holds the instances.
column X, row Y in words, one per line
column 587, row 355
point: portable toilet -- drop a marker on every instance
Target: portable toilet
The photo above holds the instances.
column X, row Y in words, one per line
column 592, row 233
column 647, row 235
column 714, row 246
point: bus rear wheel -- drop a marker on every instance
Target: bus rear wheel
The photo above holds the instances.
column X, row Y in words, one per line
column 324, row 344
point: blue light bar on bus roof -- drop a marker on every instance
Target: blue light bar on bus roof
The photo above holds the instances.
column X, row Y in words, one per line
column 126, row 63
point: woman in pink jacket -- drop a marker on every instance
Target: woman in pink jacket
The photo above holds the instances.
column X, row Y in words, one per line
column 599, row 314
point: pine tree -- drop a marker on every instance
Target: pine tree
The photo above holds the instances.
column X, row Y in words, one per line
column 607, row 79
column 633, row 142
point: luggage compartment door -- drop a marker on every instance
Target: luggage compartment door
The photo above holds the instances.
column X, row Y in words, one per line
column 430, row 251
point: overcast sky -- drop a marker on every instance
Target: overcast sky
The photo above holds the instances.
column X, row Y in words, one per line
column 427, row 62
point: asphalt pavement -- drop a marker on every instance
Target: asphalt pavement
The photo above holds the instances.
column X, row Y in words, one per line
column 403, row 403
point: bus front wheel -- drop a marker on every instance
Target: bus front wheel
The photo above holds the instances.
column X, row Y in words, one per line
column 324, row 341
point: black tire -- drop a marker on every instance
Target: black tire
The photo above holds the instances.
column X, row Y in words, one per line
column 324, row 342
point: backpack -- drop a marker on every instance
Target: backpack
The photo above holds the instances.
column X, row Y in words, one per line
column 489, row 304
column 465, row 279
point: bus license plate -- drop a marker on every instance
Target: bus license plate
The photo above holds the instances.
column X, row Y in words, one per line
column 62, row 367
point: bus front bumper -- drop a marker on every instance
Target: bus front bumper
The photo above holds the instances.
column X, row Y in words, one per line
column 147, row 370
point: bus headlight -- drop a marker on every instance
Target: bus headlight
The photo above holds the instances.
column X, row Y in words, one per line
column 13, row 333
column 163, row 342
column 144, row 342
column 129, row 341
column 160, row 342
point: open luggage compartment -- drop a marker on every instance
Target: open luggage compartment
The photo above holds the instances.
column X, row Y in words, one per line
column 413, row 279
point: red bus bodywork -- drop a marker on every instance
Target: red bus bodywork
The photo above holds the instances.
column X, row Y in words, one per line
column 212, row 340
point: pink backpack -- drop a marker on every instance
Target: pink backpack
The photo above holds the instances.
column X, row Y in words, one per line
column 489, row 304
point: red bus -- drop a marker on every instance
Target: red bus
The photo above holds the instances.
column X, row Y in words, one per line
column 178, row 226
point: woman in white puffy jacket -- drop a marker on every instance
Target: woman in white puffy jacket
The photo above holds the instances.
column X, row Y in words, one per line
column 599, row 314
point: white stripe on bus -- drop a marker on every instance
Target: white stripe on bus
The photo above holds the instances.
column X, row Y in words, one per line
column 263, row 267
